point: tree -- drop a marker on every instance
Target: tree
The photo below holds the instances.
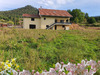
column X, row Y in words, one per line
column 91, row 20
column 79, row 14
column 69, row 11
column 81, row 17
column 86, row 16
column 76, row 20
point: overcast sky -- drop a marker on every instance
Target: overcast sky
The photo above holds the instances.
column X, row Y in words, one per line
column 92, row 7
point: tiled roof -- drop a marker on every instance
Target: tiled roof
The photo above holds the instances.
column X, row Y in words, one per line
column 29, row 15
column 51, row 12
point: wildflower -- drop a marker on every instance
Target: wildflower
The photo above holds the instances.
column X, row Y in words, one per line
column 7, row 61
column 2, row 63
column 52, row 69
column 37, row 73
column 13, row 60
column 58, row 66
column 62, row 63
column 17, row 66
column 6, row 67
column 9, row 65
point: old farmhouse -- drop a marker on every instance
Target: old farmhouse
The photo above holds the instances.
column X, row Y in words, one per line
column 47, row 19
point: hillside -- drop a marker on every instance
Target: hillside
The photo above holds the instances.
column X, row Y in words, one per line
column 17, row 13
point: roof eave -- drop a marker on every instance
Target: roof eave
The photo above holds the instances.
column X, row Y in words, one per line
column 56, row 16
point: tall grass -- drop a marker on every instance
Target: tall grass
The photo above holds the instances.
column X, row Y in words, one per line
column 39, row 49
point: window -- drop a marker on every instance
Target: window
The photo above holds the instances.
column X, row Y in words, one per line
column 32, row 26
column 55, row 20
column 66, row 21
column 32, row 19
column 61, row 21
column 63, row 26
column 44, row 18
column 47, row 26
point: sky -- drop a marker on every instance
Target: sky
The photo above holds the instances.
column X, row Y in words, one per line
column 92, row 7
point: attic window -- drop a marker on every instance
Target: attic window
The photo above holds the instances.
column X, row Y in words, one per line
column 32, row 19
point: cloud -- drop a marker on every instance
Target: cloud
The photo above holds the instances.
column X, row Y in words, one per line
column 46, row 2
column 54, row 3
column 61, row 2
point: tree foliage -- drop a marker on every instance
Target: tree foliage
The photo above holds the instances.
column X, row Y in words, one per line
column 77, row 15
column 91, row 20
column 86, row 16
column 97, row 18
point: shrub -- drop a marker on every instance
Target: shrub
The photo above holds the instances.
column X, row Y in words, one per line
column 91, row 20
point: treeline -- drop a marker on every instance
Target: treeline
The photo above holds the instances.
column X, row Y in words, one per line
column 15, row 15
column 97, row 18
column 81, row 17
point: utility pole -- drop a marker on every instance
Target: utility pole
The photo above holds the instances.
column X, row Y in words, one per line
column 15, row 20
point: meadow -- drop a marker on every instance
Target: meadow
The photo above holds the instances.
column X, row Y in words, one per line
column 40, row 49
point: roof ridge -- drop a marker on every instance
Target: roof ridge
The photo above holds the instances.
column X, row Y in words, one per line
column 52, row 9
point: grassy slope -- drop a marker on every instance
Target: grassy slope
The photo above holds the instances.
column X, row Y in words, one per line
column 37, row 49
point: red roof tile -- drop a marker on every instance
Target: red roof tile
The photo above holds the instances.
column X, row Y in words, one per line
column 29, row 15
column 51, row 12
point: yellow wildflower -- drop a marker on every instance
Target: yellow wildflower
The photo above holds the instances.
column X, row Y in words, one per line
column 2, row 63
column 9, row 64
column 6, row 67
column 17, row 66
column 13, row 60
column 7, row 61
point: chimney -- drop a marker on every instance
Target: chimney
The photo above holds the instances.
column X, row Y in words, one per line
column 40, row 7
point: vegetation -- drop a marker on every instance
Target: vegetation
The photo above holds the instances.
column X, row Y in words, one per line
column 97, row 18
column 91, row 20
column 78, row 15
column 39, row 49
column 15, row 15
column 85, row 67
column 81, row 17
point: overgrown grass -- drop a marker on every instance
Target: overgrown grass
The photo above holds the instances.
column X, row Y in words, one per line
column 97, row 24
column 39, row 49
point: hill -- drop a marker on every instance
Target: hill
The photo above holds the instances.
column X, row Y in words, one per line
column 17, row 13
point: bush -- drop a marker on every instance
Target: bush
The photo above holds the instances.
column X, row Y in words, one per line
column 91, row 20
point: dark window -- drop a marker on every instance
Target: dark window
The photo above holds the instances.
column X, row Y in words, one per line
column 32, row 19
column 32, row 26
column 55, row 21
column 47, row 26
column 44, row 18
column 61, row 21
column 63, row 26
column 66, row 21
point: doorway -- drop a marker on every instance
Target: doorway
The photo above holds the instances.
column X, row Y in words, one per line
column 32, row 26
column 55, row 27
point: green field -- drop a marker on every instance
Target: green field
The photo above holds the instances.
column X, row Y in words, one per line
column 39, row 49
